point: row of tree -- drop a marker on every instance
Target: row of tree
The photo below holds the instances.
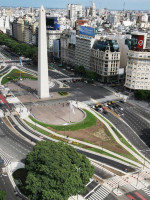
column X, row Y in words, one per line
column 142, row 95
column 20, row 49
column 86, row 73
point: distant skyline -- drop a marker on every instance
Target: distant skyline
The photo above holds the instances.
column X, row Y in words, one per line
column 110, row 4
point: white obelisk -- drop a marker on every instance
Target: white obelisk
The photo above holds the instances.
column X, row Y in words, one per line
column 43, row 86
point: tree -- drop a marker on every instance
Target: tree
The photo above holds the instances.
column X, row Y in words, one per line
column 17, row 47
column 56, row 171
column 91, row 75
column 2, row 195
column 81, row 70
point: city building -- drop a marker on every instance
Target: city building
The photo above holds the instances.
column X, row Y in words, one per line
column 84, row 43
column 138, row 64
column 138, row 70
column 105, row 60
column 53, row 31
column 18, row 29
column 74, row 11
column 68, row 42
column 90, row 11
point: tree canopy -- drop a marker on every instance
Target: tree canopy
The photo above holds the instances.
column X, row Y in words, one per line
column 56, row 171
column 142, row 95
column 2, row 195
column 86, row 73
column 29, row 51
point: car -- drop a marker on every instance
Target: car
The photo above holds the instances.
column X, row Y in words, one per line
column 121, row 101
column 40, row 136
column 105, row 112
column 105, row 104
column 100, row 109
column 104, row 108
column 120, row 108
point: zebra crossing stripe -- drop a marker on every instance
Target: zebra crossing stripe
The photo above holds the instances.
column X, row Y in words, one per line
column 99, row 194
column 4, row 157
column 147, row 191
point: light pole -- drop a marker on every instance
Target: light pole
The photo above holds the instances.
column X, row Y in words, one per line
column 137, row 179
column 118, row 186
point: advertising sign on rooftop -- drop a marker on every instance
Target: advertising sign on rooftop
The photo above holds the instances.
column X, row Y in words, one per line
column 140, row 41
column 85, row 30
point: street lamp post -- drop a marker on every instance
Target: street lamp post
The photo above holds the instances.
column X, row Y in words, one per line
column 118, row 187
column 137, row 179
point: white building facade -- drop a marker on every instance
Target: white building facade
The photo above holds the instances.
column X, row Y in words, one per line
column 74, row 11
column 138, row 70
column 106, row 63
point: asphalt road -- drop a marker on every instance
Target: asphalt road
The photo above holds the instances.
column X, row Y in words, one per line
column 7, row 186
column 101, row 159
column 134, row 126
column 14, row 148
column 106, row 161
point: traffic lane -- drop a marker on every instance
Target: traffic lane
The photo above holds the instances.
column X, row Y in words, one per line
column 111, row 197
column 15, row 147
column 127, row 132
column 139, row 125
column 14, row 137
column 6, row 185
column 107, row 161
column 87, row 90
column 137, row 195
column 56, row 75
column 5, row 69
column 100, row 172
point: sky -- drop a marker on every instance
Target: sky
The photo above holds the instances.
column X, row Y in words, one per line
column 110, row 4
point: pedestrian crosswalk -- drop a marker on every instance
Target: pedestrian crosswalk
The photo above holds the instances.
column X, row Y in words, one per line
column 116, row 181
column 147, row 191
column 3, row 156
column 100, row 194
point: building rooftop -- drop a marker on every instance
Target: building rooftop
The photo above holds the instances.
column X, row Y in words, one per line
column 104, row 45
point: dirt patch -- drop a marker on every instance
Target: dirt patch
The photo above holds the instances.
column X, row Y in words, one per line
column 98, row 135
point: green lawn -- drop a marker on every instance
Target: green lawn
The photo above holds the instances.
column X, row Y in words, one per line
column 16, row 74
column 63, row 93
column 89, row 121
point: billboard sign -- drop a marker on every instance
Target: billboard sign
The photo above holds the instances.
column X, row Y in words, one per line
column 56, row 48
column 52, row 23
column 85, row 30
column 140, row 41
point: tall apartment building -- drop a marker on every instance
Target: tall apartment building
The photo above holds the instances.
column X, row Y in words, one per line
column 84, row 44
column 51, row 36
column 18, row 29
column 138, row 70
column 105, row 60
column 28, row 33
column 74, row 11
column 68, row 41
column 90, row 11
column 138, row 64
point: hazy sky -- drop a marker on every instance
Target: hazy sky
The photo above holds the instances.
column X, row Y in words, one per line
column 111, row 4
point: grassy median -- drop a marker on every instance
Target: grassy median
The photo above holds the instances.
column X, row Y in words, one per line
column 89, row 121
